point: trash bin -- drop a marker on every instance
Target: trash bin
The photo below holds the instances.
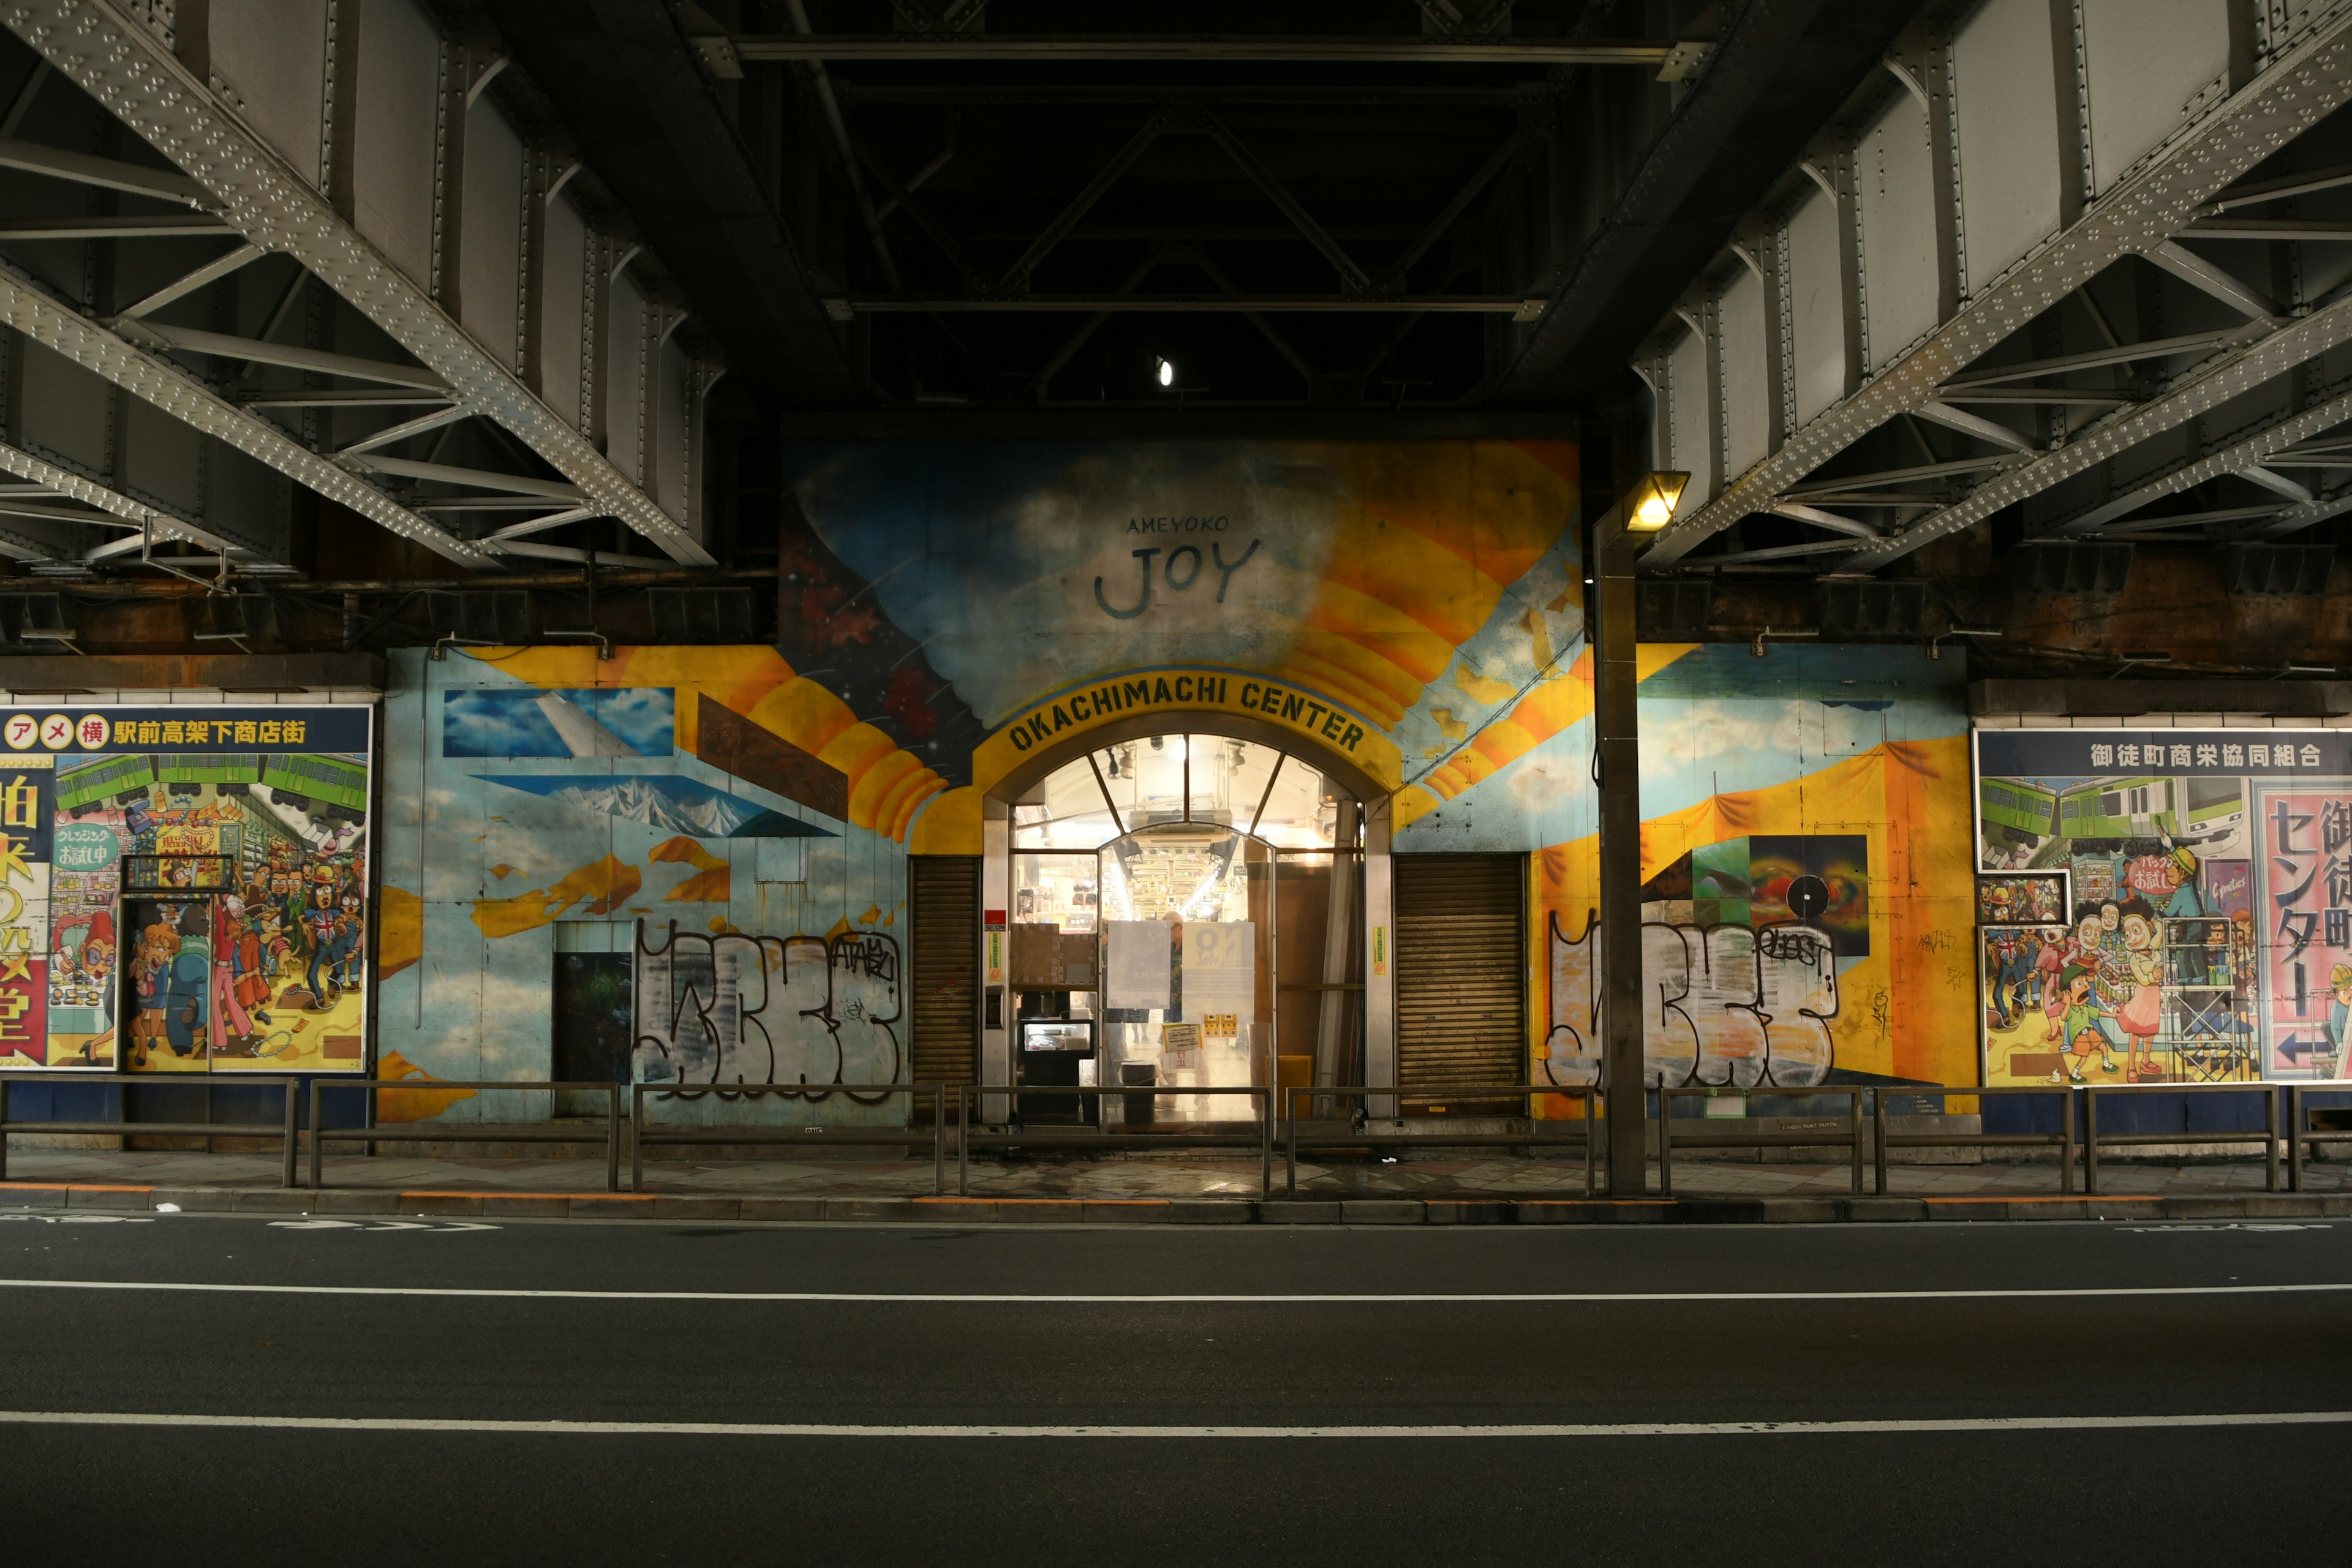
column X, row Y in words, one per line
column 1138, row 1108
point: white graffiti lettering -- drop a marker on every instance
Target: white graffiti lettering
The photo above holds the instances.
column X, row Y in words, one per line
column 738, row 1009
column 1722, row 1005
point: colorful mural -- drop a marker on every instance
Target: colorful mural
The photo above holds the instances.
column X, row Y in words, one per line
column 736, row 822
column 2208, row 933
column 727, row 827
column 1805, row 864
column 184, row 889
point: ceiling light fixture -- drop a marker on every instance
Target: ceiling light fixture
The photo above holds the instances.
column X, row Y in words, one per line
column 1164, row 372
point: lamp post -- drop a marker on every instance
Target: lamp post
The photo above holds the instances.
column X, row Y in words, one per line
column 1616, row 539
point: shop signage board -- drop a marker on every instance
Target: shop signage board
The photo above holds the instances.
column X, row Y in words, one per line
column 2209, row 932
column 184, row 888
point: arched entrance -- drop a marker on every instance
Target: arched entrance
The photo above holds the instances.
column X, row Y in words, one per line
column 1183, row 906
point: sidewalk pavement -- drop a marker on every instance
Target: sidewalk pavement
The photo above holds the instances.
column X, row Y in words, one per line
column 1113, row 1187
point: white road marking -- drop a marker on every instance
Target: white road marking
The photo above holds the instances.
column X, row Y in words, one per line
column 388, row 1224
column 1237, row 1298
column 815, row 1429
column 78, row 1218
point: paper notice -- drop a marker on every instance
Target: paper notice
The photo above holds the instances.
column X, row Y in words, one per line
column 1220, row 968
column 1137, row 964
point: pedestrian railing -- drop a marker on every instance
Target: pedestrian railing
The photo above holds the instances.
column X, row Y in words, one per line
column 284, row 1131
column 1293, row 1139
column 1174, row 1135
column 704, row 1135
column 2302, row 1135
column 1823, row 1136
column 2094, row 1140
column 460, row 1132
column 2284, row 1103
column 2062, row 1140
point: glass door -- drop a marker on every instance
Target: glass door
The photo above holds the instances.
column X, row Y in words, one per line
column 1187, row 969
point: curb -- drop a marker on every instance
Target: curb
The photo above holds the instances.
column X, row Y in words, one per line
column 31, row 1197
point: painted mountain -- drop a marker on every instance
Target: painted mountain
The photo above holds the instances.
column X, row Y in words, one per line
column 663, row 802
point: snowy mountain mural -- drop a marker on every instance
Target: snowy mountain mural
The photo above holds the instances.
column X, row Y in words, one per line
column 663, row 802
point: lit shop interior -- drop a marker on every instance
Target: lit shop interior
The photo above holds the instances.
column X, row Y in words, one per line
column 1187, row 911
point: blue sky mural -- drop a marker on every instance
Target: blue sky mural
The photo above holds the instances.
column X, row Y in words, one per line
column 665, row 802
column 638, row 722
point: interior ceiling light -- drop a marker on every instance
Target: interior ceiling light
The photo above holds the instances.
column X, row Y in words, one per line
column 1165, row 373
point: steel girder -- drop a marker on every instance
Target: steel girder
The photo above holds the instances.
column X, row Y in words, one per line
column 2135, row 216
column 129, row 72
column 157, row 380
column 2232, row 376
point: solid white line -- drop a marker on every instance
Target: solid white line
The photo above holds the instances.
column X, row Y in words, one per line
column 960, row 1297
column 813, row 1429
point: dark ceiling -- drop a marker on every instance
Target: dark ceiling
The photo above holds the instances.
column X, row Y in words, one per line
column 1423, row 234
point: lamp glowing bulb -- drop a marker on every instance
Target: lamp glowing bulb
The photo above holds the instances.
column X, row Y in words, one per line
column 1166, row 373
column 1654, row 501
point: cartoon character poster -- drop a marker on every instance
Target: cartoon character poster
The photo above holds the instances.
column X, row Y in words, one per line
column 187, row 887
column 2209, row 939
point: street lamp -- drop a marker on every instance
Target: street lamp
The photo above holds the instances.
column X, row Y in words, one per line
column 1648, row 506
column 1652, row 504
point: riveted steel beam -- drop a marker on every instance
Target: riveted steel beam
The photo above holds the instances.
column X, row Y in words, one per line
column 2244, row 458
column 2132, row 217
column 117, row 506
column 2232, row 376
column 1402, row 49
column 133, row 74
column 150, row 376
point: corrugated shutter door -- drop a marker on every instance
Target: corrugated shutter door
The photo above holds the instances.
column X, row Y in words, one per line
column 944, row 893
column 1461, row 967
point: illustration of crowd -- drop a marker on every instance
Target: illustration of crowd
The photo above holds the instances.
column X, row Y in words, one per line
column 2100, row 986
column 236, row 973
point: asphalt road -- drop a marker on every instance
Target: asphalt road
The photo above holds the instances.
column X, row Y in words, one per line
column 1121, row 1362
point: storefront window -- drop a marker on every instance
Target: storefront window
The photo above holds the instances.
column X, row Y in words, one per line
column 1187, row 912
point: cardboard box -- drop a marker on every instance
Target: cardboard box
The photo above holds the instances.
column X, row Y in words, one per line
column 1046, row 958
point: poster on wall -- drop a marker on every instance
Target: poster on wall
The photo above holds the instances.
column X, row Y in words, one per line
column 184, row 888
column 2209, row 934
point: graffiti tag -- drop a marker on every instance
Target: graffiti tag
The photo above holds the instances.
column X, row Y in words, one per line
column 734, row 1008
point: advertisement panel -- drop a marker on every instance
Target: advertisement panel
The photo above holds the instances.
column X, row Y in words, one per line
column 184, row 888
column 2210, row 938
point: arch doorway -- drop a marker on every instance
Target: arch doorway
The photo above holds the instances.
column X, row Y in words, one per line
column 1185, row 908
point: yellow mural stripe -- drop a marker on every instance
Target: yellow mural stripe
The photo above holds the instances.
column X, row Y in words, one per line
column 1368, row 663
column 1415, row 574
column 1498, row 507
column 1416, row 651
column 1330, row 680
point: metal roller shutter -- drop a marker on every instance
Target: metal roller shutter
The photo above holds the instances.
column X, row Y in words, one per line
column 1461, row 969
column 943, row 892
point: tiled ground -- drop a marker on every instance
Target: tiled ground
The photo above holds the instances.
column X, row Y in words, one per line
column 1150, row 1176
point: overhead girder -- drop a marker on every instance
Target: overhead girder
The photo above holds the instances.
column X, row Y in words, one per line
column 1752, row 109
column 2255, row 108
column 632, row 96
column 157, row 380
column 134, row 75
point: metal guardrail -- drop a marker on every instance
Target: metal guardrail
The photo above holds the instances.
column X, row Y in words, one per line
column 2301, row 1136
column 1261, row 1095
column 1293, row 1142
column 1667, row 1138
column 460, row 1132
column 686, row 1134
column 2062, row 1140
column 285, row 1132
column 2093, row 1142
